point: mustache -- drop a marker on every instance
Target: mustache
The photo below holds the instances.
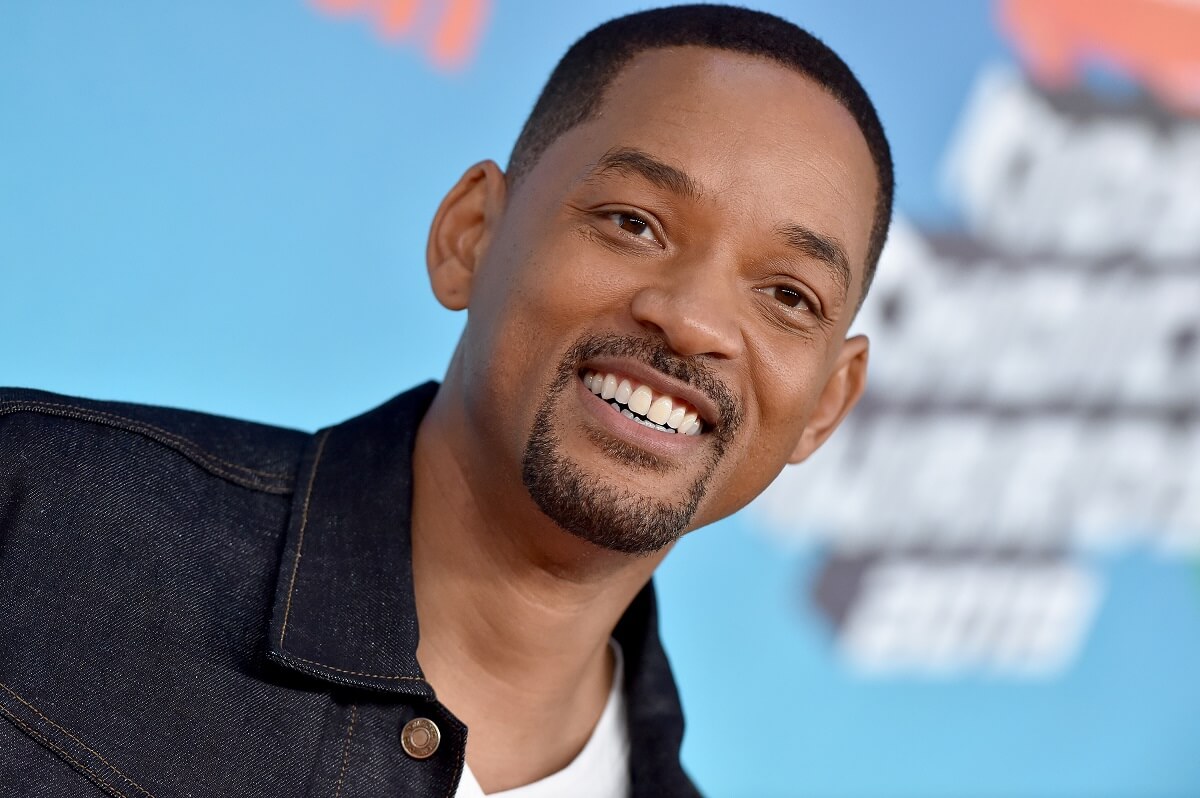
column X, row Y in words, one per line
column 656, row 354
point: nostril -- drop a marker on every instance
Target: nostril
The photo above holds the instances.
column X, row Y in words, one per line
column 654, row 328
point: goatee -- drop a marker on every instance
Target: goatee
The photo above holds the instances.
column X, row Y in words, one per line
column 612, row 517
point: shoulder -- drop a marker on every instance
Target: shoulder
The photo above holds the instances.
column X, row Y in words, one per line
column 38, row 426
column 138, row 550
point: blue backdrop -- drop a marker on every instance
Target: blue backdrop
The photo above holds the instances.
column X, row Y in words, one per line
column 223, row 205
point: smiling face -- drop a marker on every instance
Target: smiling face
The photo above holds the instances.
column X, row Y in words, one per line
column 658, row 311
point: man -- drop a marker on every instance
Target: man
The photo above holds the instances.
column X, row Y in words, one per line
column 659, row 292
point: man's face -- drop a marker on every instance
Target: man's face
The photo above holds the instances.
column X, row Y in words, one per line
column 694, row 254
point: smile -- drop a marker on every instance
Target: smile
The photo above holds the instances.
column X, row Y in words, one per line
column 635, row 401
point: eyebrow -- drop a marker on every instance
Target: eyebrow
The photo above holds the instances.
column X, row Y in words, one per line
column 825, row 249
column 632, row 161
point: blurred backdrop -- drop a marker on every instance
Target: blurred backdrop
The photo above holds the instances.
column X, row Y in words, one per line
column 987, row 584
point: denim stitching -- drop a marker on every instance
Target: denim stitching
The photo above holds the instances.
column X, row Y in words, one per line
column 209, row 460
column 95, row 777
column 312, row 478
column 346, row 749
column 356, row 673
column 85, row 413
column 287, row 609
column 85, row 746
column 457, row 777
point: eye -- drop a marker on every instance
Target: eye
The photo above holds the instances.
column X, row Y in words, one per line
column 788, row 296
column 633, row 225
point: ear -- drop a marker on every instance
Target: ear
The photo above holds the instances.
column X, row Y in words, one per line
column 839, row 396
column 461, row 230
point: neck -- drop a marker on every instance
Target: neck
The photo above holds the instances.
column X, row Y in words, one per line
column 515, row 614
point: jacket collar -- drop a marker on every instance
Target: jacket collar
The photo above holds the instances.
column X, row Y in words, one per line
column 344, row 607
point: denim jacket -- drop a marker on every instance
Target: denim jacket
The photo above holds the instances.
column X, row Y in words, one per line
column 196, row 606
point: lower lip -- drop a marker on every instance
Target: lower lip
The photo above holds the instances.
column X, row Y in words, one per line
column 663, row 444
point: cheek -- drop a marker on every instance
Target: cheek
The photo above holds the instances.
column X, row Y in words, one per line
column 786, row 385
column 564, row 289
column 530, row 302
column 743, row 474
column 788, row 377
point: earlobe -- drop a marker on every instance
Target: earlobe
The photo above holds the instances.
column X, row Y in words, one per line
column 461, row 231
column 841, row 393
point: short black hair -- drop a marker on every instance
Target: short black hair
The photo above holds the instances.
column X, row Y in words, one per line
column 576, row 87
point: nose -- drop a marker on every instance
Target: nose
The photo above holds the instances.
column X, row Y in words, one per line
column 693, row 309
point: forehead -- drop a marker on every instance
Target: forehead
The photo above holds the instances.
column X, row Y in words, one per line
column 760, row 140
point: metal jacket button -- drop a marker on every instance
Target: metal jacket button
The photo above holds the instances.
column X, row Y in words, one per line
column 420, row 738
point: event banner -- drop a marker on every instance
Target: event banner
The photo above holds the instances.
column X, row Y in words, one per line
column 986, row 584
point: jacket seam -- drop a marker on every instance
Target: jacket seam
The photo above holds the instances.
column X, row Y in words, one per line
column 312, row 478
column 68, row 732
column 396, row 677
column 75, row 763
column 456, row 777
column 249, row 477
column 346, row 749
column 41, row 738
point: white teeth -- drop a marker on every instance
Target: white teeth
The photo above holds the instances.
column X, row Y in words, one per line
column 639, row 401
column 663, row 413
column 660, row 410
column 685, row 425
column 624, row 391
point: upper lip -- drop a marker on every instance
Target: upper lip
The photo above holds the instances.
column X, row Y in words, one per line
column 660, row 383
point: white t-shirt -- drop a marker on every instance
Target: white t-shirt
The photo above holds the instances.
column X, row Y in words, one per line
column 601, row 770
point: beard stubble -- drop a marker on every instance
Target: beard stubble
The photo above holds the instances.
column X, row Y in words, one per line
column 583, row 504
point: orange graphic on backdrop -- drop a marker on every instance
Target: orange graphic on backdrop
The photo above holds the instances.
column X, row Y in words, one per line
column 450, row 38
column 1156, row 42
